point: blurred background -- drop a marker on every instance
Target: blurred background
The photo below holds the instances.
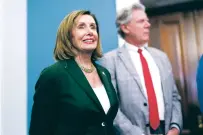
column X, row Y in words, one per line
column 27, row 38
column 177, row 29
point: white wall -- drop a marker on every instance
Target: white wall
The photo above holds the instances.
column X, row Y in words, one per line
column 0, row 61
column 124, row 3
column 13, row 67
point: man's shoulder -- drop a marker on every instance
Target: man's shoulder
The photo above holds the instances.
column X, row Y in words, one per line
column 156, row 51
column 113, row 53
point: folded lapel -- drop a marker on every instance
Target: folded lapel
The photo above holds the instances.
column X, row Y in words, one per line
column 162, row 72
column 125, row 57
column 106, row 84
column 76, row 73
column 109, row 89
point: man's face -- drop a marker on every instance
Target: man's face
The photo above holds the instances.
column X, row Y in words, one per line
column 137, row 30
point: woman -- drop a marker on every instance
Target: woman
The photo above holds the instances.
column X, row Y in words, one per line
column 75, row 95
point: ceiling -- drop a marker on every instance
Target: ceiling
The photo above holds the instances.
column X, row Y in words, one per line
column 160, row 3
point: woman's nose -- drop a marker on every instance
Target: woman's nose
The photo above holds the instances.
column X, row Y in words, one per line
column 90, row 31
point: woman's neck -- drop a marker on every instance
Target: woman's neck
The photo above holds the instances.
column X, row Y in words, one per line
column 84, row 60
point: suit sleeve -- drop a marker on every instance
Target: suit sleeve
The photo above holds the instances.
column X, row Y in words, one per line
column 176, row 120
column 44, row 108
column 122, row 124
column 199, row 82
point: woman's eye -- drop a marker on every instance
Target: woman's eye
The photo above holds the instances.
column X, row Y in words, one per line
column 93, row 27
column 81, row 26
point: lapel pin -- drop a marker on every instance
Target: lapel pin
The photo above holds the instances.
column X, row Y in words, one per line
column 66, row 66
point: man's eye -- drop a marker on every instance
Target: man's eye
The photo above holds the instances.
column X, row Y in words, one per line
column 141, row 21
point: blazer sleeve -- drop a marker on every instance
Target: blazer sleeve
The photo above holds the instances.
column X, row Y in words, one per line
column 122, row 124
column 199, row 79
column 44, row 108
column 176, row 120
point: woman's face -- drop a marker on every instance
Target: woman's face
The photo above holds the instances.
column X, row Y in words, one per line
column 84, row 34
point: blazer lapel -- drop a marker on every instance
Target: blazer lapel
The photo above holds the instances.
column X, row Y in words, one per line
column 162, row 72
column 76, row 73
column 125, row 57
column 106, row 84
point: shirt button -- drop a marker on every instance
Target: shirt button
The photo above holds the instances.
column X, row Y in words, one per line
column 103, row 124
column 147, row 125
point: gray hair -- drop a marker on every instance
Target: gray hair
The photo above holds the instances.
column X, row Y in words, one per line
column 124, row 16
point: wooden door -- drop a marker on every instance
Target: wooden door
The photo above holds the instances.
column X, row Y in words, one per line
column 171, row 44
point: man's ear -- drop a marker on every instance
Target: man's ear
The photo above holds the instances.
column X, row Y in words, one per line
column 124, row 28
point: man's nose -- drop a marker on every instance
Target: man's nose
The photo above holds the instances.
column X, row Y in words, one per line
column 147, row 24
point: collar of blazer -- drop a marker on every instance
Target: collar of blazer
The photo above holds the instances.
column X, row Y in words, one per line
column 125, row 58
column 157, row 56
column 74, row 70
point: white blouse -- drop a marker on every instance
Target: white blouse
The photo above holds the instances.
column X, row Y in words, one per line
column 103, row 97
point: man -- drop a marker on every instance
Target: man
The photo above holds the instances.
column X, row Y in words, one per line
column 200, row 83
column 142, row 76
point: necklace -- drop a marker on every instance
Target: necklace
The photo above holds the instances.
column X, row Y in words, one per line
column 87, row 70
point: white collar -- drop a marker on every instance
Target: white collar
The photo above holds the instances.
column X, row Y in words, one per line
column 134, row 47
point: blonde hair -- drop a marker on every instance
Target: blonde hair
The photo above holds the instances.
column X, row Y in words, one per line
column 64, row 48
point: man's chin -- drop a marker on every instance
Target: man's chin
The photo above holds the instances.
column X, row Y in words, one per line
column 145, row 41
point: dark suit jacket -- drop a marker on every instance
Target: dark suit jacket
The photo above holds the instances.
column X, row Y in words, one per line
column 65, row 104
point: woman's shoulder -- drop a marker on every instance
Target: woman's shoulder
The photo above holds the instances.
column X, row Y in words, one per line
column 51, row 73
column 53, row 69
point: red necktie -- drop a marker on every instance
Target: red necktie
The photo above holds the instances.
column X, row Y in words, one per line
column 153, row 109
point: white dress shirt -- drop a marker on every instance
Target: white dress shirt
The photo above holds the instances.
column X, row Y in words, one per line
column 154, row 71
column 103, row 97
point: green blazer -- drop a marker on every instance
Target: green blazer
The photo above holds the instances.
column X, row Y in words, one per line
column 65, row 103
